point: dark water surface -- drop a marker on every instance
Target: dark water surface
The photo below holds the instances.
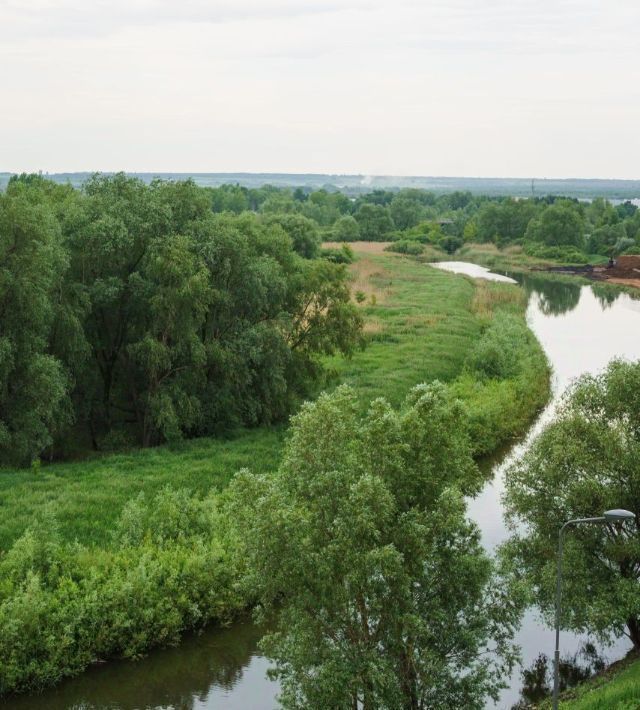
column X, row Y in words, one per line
column 581, row 328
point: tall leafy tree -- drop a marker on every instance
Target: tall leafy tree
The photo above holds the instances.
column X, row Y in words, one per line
column 405, row 211
column 374, row 221
column 559, row 225
column 585, row 462
column 34, row 384
column 346, row 229
column 359, row 544
column 303, row 232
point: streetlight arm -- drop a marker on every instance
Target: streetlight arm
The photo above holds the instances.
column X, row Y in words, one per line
column 576, row 521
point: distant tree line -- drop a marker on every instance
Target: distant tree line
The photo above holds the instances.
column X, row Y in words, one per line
column 547, row 226
column 133, row 313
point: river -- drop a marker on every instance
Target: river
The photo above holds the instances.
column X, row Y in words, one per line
column 581, row 328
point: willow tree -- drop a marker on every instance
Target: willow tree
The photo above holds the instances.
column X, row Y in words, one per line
column 585, row 462
column 359, row 544
column 33, row 382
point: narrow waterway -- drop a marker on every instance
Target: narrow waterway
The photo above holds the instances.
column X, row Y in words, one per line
column 581, row 328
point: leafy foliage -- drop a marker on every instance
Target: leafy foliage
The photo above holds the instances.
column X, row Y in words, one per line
column 406, row 246
column 34, row 386
column 139, row 312
column 63, row 607
column 583, row 463
column 381, row 587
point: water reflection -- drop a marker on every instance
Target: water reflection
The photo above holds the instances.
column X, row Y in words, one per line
column 554, row 296
column 605, row 294
column 474, row 270
column 219, row 669
column 577, row 340
column 537, row 680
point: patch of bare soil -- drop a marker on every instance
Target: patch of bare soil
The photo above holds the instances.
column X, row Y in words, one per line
column 623, row 273
column 625, row 282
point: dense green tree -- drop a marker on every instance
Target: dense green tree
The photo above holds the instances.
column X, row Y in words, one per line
column 346, row 229
column 196, row 322
column 604, row 239
column 280, row 202
column 601, row 212
column 626, row 209
column 326, row 207
column 559, row 225
column 504, row 221
column 405, row 212
column 632, row 227
column 374, row 221
column 383, row 595
column 230, row 198
column 583, row 463
column 456, row 200
column 34, row 384
column 303, row 232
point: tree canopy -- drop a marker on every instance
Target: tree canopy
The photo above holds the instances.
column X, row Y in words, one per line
column 360, row 546
column 142, row 315
column 585, row 462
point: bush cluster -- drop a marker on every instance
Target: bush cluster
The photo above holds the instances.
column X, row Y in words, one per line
column 63, row 607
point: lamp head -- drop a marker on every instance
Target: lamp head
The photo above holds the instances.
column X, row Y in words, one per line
column 618, row 515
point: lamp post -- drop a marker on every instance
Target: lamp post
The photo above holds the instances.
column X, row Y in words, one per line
column 610, row 516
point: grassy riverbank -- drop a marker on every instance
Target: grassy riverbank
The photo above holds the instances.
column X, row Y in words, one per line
column 616, row 688
column 108, row 573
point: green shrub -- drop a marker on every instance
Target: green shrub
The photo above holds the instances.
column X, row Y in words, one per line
column 505, row 380
column 568, row 254
column 63, row 607
column 498, row 353
column 405, row 246
column 344, row 255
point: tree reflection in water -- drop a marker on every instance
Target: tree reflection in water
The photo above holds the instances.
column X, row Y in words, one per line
column 555, row 297
column 178, row 677
column 538, row 678
column 605, row 294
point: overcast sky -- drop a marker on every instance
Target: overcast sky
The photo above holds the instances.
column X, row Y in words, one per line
column 546, row 88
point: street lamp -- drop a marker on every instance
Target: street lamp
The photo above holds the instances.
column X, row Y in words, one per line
column 610, row 516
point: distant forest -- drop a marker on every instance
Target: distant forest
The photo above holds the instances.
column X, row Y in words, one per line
column 359, row 184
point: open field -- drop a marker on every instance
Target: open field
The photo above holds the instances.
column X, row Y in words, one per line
column 88, row 496
column 423, row 324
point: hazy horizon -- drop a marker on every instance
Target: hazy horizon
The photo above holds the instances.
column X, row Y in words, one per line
column 465, row 88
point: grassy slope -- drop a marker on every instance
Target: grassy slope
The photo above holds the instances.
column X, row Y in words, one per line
column 422, row 325
column 88, row 496
column 617, row 688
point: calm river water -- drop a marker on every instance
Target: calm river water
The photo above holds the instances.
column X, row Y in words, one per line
column 580, row 328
